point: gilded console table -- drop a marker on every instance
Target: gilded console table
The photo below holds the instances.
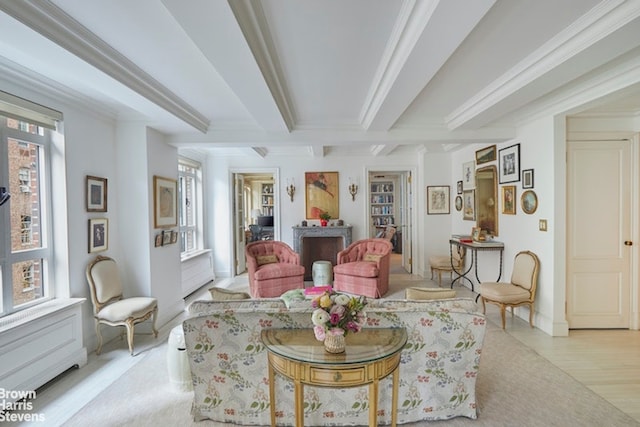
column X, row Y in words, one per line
column 474, row 247
column 371, row 355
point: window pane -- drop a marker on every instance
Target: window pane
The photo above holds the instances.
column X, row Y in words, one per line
column 24, row 186
column 27, row 281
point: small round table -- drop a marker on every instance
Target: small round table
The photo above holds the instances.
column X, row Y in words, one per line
column 371, row 355
column 322, row 273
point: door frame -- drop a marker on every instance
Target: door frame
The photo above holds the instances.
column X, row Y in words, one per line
column 275, row 172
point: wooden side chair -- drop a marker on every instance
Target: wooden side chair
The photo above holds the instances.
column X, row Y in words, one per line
column 110, row 307
column 521, row 290
column 442, row 263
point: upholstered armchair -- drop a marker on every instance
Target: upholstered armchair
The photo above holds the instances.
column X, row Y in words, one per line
column 448, row 263
column 274, row 268
column 363, row 268
column 110, row 307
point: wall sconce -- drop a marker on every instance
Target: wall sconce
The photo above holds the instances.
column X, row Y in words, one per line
column 4, row 195
column 291, row 188
column 353, row 189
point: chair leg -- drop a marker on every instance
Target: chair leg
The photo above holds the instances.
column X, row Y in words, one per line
column 130, row 327
column 99, row 335
column 531, row 315
column 502, row 313
column 153, row 326
column 484, row 307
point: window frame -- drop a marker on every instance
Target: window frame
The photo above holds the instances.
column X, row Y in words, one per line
column 196, row 206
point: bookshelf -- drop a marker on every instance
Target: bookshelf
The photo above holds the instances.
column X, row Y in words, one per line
column 382, row 204
column 266, row 199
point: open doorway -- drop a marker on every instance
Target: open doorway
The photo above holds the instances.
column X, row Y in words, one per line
column 254, row 207
column 390, row 213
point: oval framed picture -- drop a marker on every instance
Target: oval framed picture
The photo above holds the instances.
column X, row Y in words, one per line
column 529, row 202
column 459, row 203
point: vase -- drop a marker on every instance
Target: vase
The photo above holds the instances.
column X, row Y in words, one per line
column 323, row 222
column 334, row 343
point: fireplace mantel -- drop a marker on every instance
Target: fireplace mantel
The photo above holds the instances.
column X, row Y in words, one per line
column 302, row 233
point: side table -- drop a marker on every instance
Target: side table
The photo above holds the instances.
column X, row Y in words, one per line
column 371, row 355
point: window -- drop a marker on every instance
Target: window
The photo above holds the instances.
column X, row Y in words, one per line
column 25, row 254
column 190, row 194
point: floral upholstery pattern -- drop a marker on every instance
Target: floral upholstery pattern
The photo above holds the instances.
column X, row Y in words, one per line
column 229, row 370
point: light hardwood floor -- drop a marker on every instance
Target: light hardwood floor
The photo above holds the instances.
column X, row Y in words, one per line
column 606, row 361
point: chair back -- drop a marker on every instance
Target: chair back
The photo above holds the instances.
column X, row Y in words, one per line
column 525, row 271
column 389, row 232
column 104, row 282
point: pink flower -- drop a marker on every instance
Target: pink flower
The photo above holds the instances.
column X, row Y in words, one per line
column 318, row 331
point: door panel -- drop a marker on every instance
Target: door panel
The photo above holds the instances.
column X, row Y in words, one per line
column 598, row 224
column 239, row 224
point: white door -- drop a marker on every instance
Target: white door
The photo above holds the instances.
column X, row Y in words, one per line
column 598, row 234
column 238, row 221
column 407, row 259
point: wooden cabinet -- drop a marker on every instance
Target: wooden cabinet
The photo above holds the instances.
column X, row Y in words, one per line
column 266, row 199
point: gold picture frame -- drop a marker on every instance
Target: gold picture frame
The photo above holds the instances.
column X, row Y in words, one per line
column 509, row 199
column 165, row 202
column 529, row 202
column 438, row 200
column 321, row 194
column 486, row 155
column 469, row 205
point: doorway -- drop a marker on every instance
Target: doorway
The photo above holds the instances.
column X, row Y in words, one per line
column 390, row 211
column 255, row 210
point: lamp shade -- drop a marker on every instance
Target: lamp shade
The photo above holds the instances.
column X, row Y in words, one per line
column 255, row 213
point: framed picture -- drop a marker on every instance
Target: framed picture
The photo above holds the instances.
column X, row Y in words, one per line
column 475, row 233
column 158, row 240
column 458, row 203
column 459, row 187
column 509, row 168
column 174, row 237
column 438, row 200
column 509, row 199
column 98, row 234
column 96, row 194
column 486, row 155
column 527, row 178
column 469, row 205
column 166, row 237
column 321, row 194
column 529, row 202
column 165, row 202
column 469, row 175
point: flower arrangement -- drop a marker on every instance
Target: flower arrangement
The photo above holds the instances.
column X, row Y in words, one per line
column 337, row 314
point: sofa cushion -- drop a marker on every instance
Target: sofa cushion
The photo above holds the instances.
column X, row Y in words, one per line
column 371, row 257
column 277, row 271
column 221, row 294
column 266, row 259
column 429, row 293
column 358, row 268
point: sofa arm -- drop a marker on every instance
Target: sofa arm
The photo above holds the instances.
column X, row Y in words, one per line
column 288, row 256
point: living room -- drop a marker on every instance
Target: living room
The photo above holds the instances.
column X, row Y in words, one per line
column 101, row 139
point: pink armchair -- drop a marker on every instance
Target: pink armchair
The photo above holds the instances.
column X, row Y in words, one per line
column 363, row 268
column 274, row 268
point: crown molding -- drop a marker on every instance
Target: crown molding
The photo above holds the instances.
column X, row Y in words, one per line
column 53, row 23
column 598, row 23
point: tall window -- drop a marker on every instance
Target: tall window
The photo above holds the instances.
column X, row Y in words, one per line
column 25, row 255
column 190, row 194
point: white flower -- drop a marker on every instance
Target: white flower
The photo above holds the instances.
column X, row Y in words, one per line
column 342, row 299
column 319, row 317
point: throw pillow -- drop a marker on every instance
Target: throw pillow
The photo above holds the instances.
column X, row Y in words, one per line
column 371, row 257
column 291, row 296
column 266, row 259
column 429, row 293
column 220, row 294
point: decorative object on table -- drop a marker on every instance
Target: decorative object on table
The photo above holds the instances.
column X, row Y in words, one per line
column 165, row 202
column 98, row 234
column 469, row 205
column 336, row 315
column 509, row 170
column 304, row 223
column 509, row 199
column 353, row 189
column 458, row 203
column 321, row 194
column 291, row 188
column 324, row 219
column 469, row 175
column 527, row 178
column 529, row 202
column 96, row 194
column 340, row 223
column 459, row 187
column 476, row 233
column 486, row 155
column 438, row 200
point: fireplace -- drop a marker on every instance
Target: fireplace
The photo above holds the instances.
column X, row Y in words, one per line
column 319, row 244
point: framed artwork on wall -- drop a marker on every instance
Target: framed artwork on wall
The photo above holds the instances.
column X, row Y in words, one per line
column 165, row 202
column 321, row 194
column 98, row 234
column 469, row 205
column 527, row 178
column 469, row 175
column 509, row 169
column 509, row 199
column 486, row 155
column 529, row 202
column 96, row 194
column 438, row 200
column 166, row 237
column 458, row 203
column 459, row 187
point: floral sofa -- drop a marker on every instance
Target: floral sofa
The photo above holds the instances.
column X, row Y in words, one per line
column 229, row 369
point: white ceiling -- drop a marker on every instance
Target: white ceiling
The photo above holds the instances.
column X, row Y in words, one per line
column 325, row 77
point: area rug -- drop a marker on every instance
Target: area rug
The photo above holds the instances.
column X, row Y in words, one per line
column 516, row 387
